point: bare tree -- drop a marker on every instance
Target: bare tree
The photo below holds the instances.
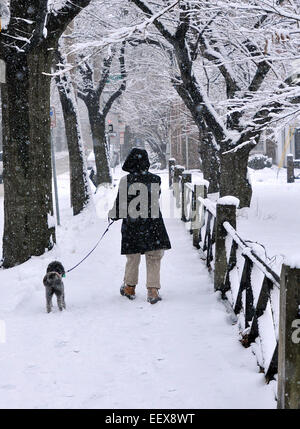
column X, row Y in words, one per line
column 90, row 92
column 207, row 36
column 27, row 46
column 79, row 185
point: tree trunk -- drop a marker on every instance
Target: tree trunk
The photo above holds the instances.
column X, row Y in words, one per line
column 160, row 151
column 80, row 192
column 234, row 175
column 191, row 97
column 97, row 122
column 210, row 161
column 28, row 204
column 163, row 163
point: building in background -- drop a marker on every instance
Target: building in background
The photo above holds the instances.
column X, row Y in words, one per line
column 278, row 146
column 288, row 141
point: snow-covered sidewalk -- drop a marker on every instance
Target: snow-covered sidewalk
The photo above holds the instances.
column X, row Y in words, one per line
column 108, row 352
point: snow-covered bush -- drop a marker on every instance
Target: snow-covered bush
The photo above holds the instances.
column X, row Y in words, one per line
column 259, row 161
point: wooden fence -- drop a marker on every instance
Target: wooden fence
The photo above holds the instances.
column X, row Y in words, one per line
column 247, row 283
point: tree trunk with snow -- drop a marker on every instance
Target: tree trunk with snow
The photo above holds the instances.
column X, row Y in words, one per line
column 189, row 92
column 79, row 186
column 160, row 151
column 90, row 94
column 97, row 123
column 27, row 157
column 27, row 46
column 234, row 175
column 163, row 161
column 210, row 161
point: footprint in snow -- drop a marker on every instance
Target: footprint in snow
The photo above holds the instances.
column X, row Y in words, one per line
column 8, row 386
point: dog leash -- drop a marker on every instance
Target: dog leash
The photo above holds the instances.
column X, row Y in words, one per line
column 75, row 266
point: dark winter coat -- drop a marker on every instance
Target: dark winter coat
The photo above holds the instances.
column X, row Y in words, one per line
column 137, row 203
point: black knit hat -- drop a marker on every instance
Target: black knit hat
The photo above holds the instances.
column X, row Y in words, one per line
column 137, row 161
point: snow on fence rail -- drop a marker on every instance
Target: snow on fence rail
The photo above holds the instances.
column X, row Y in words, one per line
column 265, row 312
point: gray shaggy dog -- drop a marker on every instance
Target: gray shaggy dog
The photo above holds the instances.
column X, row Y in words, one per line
column 54, row 285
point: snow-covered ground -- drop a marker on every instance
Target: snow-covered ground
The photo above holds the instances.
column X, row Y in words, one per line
column 105, row 351
column 273, row 218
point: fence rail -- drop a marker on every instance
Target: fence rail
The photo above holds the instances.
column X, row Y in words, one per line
column 243, row 278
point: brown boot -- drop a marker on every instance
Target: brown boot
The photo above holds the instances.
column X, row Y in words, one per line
column 153, row 295
column 128, row 291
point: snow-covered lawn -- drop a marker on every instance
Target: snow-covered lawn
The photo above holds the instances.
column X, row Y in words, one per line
column 273, row 218
column 108, row 352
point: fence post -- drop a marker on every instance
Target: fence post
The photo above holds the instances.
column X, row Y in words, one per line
column 186, row 178
column 197, row 218
column 289, row 339
column 198, row 192
column 290, row 168
column 171, row 171
column 178, row 170
column 225, row 212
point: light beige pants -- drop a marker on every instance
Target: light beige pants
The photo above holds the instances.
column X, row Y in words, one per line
column 153, row 259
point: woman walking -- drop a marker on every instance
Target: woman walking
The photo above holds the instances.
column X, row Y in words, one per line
column 143, row 230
